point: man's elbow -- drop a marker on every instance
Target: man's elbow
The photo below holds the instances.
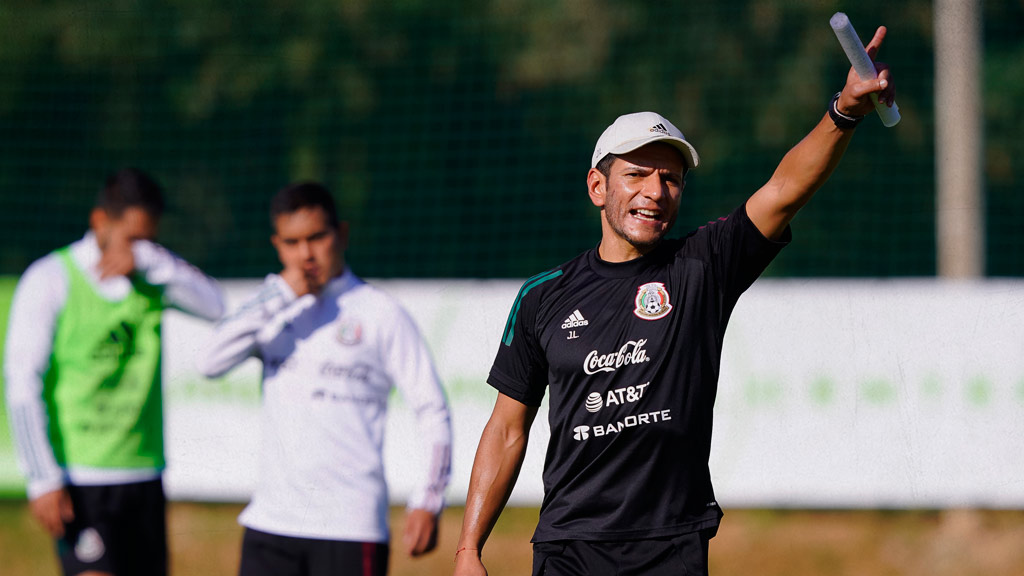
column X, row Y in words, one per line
column 215, row 309
column 210, row 368
column 218, row 310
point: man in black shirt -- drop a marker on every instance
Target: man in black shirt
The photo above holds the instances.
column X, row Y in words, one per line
column 627, row 339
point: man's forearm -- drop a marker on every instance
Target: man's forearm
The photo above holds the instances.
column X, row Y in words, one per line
column 799, row 175
column 28, row 421
column 499, row 458
column 236, row 337
column 809, row 164
column 186, row 287
column 233, row 341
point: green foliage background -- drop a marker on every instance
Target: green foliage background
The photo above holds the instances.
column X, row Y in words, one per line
column 456, row 134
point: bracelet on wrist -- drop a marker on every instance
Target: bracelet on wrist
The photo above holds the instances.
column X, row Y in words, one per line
column 842, row 121
column 463, row 549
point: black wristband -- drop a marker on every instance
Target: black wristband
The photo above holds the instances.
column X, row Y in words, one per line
column 842, row 121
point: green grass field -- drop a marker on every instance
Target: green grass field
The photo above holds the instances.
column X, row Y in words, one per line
column 205, row 539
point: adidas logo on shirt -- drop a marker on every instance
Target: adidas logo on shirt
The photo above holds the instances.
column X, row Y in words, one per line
column 574, row 320
column 659, row 128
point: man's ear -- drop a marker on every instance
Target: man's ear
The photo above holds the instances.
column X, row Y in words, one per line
column 98, row 219
column 275, row 240
column 597, row 185
column 99, row 223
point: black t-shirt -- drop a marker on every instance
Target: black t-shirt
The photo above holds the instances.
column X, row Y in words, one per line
column 630, row 353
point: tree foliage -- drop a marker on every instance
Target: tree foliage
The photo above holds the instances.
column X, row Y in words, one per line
column 456, row 134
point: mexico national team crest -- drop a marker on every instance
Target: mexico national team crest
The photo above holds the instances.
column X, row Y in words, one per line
column 89, row 546
column 652, row 301
column 350, row 332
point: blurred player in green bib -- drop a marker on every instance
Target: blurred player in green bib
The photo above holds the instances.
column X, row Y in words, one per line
column 83, row 373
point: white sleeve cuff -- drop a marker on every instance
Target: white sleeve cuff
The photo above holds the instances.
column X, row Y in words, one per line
column 37, row 488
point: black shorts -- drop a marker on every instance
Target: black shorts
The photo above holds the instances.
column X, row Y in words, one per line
column 266, row 554
column 683, row 555
column 121, row 529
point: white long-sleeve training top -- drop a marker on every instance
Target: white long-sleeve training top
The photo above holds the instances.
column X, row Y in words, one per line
column 329, row 365
column 39, row 297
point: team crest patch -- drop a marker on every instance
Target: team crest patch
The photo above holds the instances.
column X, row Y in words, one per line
column 350, row 332
column 652, row 301
column 89, row 547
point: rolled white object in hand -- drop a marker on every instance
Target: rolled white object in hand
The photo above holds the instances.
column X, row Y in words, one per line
column 862, row 63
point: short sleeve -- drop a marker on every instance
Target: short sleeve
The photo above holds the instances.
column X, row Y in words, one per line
column 737, row 250
column 520, row 368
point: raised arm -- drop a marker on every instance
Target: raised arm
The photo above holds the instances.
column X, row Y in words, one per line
column 809, row 164
column 185, row 287
column 237, row 336
column 499, row 458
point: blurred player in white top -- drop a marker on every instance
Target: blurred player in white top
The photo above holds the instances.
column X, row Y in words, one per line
column 332, row 348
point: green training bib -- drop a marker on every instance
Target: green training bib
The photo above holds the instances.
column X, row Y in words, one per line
column 103, row 388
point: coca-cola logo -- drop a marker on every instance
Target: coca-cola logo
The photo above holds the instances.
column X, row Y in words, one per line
column 632, row 352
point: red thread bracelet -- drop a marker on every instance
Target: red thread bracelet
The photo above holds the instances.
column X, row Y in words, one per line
column 463, row 549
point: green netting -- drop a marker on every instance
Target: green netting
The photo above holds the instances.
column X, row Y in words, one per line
column 1004, row 148
column 457, row 134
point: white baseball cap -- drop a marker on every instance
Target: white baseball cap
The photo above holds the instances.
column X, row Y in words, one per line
column 631, row 131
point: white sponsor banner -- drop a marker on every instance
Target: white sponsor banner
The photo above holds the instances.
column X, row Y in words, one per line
column 832, row 394
column 873, row 394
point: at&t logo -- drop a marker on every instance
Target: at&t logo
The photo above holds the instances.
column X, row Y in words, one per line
column 628, row 394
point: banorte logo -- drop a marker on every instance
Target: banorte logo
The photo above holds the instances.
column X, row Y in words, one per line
column 632, row 352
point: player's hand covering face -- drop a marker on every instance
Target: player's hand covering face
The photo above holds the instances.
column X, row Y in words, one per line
column 309, row 248
column 639, row 200
column 115, row 235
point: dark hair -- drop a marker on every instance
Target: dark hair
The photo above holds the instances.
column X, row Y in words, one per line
column 131, row 188
column 605, row 165
column 295, row 197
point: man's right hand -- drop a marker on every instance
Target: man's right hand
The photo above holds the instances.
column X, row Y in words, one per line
column 117, row 258
column 300, row 282
column 53, row 510
column 468, row 563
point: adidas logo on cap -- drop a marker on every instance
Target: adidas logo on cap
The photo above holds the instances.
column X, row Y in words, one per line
column 574, row 320
column 632, row 131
